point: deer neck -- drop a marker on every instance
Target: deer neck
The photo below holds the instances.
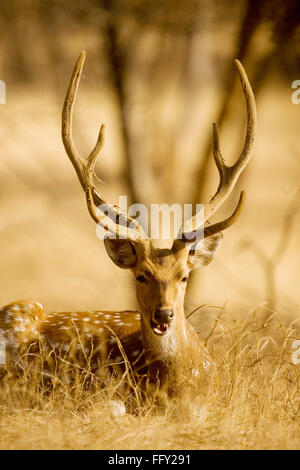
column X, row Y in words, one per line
column 168, row 357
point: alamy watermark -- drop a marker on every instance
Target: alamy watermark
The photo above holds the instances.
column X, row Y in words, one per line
column 2, row 352
column 296, row 94
column 164, row 219
column 296, row 353
column 2, row 92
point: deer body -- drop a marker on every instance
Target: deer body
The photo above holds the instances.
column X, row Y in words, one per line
column 158, row 339
column 24, row 324
column 101, row 339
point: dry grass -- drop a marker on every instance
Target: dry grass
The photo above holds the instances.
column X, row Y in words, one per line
column 257, row 407
column 49, row 252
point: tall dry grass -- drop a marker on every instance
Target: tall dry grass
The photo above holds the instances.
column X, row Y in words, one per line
column 257, row 405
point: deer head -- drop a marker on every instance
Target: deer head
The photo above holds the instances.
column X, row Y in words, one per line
column 161, row 274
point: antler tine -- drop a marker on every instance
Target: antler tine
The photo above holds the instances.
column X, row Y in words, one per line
column 220, row 164
column 112, row 218
column 92, row 158
column 67, row 118
column 220, row 226
column 228, row 174
column 251, row 119
column 84, row 167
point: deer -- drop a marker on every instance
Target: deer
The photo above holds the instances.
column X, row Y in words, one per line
column 157, row 338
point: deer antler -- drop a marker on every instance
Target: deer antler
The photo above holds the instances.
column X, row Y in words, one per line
column 111, row 218
column 190, row 231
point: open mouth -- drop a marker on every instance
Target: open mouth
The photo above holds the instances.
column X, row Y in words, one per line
column 159, row 328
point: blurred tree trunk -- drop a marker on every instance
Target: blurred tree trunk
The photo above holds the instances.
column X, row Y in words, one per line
column 15, row 44
column 249, row 24
column 117, row 61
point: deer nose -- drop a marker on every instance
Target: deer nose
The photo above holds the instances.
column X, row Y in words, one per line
column 164, row 315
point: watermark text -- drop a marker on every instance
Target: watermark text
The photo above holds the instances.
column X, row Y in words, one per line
column 2, row 92
column 296, row 94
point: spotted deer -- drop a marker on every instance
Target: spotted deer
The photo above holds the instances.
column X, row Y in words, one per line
column 158, row 337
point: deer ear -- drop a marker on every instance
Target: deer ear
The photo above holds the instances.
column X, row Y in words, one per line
column 203, row 252
column 121, row 252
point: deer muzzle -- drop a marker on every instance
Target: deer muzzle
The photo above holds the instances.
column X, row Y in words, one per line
column 161, row 320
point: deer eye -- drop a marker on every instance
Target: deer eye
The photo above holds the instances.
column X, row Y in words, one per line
column 141, row 279
column 184, row 279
